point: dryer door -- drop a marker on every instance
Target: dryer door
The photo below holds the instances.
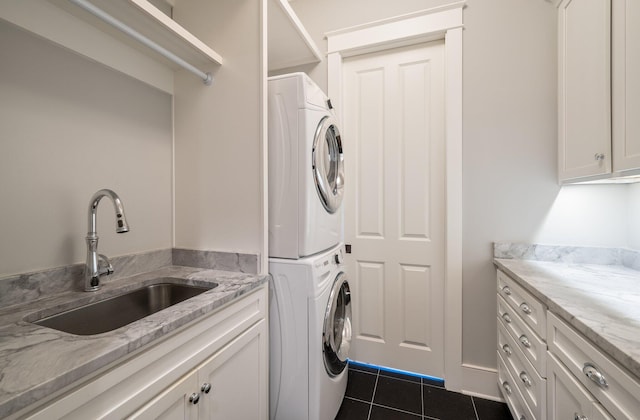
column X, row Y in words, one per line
column 328, row 164
column 336, row 333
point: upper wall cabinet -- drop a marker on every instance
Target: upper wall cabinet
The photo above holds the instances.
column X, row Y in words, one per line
column 626, row 85
column 289, row 43
column 138, row 44
column 598, row 89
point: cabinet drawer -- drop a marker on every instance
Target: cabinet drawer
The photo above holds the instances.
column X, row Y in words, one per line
column 531, row 385
column 533, row 347
column 519, row 408
column 532, row 311
column 566, row 398
column 618, row 392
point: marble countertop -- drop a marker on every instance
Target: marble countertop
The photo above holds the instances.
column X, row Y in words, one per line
column 600, row 301
column 36, row 361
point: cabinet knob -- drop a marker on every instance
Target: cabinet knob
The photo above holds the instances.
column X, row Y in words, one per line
column 594, row 374
column 525, row 341
column 206, row 387
column 507, row 387
column 507, row 349
column 577, row 416
column 525, row 378
column 506, row 290
column 525, row 308
column 506, row 318
column 194, row 398
column 599, row 156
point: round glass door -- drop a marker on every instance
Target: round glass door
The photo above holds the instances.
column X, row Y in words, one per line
column 336, row 334
column 328, row 164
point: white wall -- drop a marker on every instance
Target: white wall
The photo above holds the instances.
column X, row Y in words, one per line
column 218, row 131
column 69, row 127
column 633, row 215
column 588, row 215
column 510, row 190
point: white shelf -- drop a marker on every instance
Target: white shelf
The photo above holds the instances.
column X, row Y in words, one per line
column 145, row 18
column 289, row 43
column 71, row 27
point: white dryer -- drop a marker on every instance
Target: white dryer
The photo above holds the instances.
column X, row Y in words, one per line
column 306, row 175
column 309, row 336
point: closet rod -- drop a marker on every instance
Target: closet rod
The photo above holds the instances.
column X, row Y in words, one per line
column 207, row 78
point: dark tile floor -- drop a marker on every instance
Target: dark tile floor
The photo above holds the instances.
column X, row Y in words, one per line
column 374, row 394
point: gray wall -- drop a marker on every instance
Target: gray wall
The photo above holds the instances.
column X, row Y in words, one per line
column 69, row 127
column 510, row 191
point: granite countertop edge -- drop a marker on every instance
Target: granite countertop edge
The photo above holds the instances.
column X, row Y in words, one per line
column 593, row 327
column 37, row 361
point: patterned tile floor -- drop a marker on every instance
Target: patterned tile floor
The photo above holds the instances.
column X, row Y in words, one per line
column 374, row 394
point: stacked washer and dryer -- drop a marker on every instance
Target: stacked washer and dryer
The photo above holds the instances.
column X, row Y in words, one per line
column 310, row 301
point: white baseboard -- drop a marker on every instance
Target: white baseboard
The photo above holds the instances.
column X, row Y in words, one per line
column 480, row 381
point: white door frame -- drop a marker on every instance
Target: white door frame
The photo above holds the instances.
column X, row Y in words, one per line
column 427, row 25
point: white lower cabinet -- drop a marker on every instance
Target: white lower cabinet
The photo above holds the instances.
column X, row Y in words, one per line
column 522, row 350
column 613, row 388
column 558, row 375
column 567, row 399
column 173, row 403
column 226, row 386
column 214, row 368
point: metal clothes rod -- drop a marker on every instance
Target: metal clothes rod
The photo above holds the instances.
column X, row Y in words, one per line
column 207, row 78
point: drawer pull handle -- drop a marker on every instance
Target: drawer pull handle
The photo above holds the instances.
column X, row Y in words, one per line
column 507, row 387
column 594, row 374
column 525, row 341
column 525, row 378
column 579, row 417
column 506, row 290
column 206, row 387
column 522, row 417
column 525, row 308
column 194, row 398
column 506, row 318
column 507, row 350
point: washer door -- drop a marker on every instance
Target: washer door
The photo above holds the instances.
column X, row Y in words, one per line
column 328, row 164
column 336, row 334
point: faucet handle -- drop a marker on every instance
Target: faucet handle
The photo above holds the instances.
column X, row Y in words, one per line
column 108, row 269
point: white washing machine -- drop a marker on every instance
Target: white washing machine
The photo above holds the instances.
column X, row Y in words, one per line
column 306, row 175
column 309, row 336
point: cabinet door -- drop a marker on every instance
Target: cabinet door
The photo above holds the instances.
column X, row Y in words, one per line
column 567, row 399
column 237, row 376
column 174, row 403
column 626, row 84
column 584, row 88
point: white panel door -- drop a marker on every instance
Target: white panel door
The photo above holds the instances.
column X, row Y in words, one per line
column 394, row 205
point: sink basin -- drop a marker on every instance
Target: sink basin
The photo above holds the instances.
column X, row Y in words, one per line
column 118, row 311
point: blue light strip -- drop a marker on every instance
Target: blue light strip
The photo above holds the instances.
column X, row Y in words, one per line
column 403, row 372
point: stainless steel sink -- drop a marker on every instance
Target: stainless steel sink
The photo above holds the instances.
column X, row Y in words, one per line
column 118, row 311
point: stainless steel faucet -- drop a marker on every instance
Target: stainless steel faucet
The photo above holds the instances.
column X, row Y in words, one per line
column 98, row 264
